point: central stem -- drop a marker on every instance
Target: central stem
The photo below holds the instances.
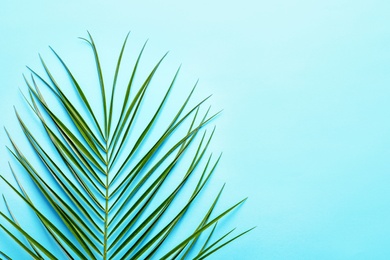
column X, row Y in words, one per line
column 105, row 232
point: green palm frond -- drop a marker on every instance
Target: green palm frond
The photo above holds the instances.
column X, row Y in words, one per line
column 117, row 191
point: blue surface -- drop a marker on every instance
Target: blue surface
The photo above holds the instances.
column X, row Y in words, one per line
column 305, row 88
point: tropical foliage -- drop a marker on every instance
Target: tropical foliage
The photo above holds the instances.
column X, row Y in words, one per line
column 116, row 191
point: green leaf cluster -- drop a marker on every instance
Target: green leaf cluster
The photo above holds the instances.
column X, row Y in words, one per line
column 108, row 193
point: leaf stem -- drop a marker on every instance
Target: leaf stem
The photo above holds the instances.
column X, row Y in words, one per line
column 106, row 208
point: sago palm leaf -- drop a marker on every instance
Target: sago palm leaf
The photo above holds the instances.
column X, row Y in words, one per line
column 117, row 191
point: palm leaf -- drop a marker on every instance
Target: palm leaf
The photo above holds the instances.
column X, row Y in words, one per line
column 117, row 193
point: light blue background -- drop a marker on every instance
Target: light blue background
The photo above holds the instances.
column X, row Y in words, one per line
column 305, row 88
